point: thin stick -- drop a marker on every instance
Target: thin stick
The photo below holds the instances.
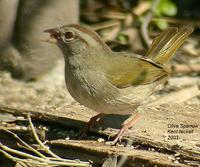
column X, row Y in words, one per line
column 38, row 140
column 178, row 21
column 9, row 156
column 106, row 24
column 66, row 160
column 40, row 160
column 21, row 153
column 147, row 20
column 25, row 144
column 107, row 15
column 182, row 68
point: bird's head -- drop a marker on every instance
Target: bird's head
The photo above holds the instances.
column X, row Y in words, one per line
column 76, row 38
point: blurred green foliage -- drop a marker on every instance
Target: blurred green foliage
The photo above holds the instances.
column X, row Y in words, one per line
column 165, row 8
column 122, row 38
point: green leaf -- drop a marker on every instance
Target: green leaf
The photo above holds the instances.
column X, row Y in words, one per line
column 167, row 7
column 162, row 24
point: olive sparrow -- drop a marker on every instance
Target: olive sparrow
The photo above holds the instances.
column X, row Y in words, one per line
column 113, row 82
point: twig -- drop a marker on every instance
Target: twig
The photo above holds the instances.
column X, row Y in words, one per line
column 9, row 156
column 21, row 153
column 38, row 140
column 106, row 24
column 182, row 68
column 107, row 15
column 25, row 144
column 146, row 21
column 178, row 21
column 40, row 161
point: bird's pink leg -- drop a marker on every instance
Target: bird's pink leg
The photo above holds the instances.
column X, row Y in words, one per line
column 124, row 128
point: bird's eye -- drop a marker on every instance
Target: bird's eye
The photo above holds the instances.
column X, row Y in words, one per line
column 69, row 36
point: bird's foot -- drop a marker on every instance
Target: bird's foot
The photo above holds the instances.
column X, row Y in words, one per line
column 96, row 120
column 119, row 135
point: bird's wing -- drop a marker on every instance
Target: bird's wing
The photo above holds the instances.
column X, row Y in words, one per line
column 128, row 70
column 167, row 43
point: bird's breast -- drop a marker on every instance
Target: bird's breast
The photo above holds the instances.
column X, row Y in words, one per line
column 90, row 88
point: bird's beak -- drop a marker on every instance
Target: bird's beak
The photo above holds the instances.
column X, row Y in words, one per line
column 54, row 36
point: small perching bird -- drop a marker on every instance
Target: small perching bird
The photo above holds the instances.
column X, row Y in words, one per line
column 113, row 82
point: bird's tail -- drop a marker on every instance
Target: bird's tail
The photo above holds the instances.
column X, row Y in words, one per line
column 167, row 43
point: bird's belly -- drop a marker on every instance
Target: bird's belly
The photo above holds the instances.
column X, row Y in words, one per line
column 99, row 104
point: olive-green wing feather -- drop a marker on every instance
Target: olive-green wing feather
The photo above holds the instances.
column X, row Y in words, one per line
column 167, row 43
column 128, row 70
